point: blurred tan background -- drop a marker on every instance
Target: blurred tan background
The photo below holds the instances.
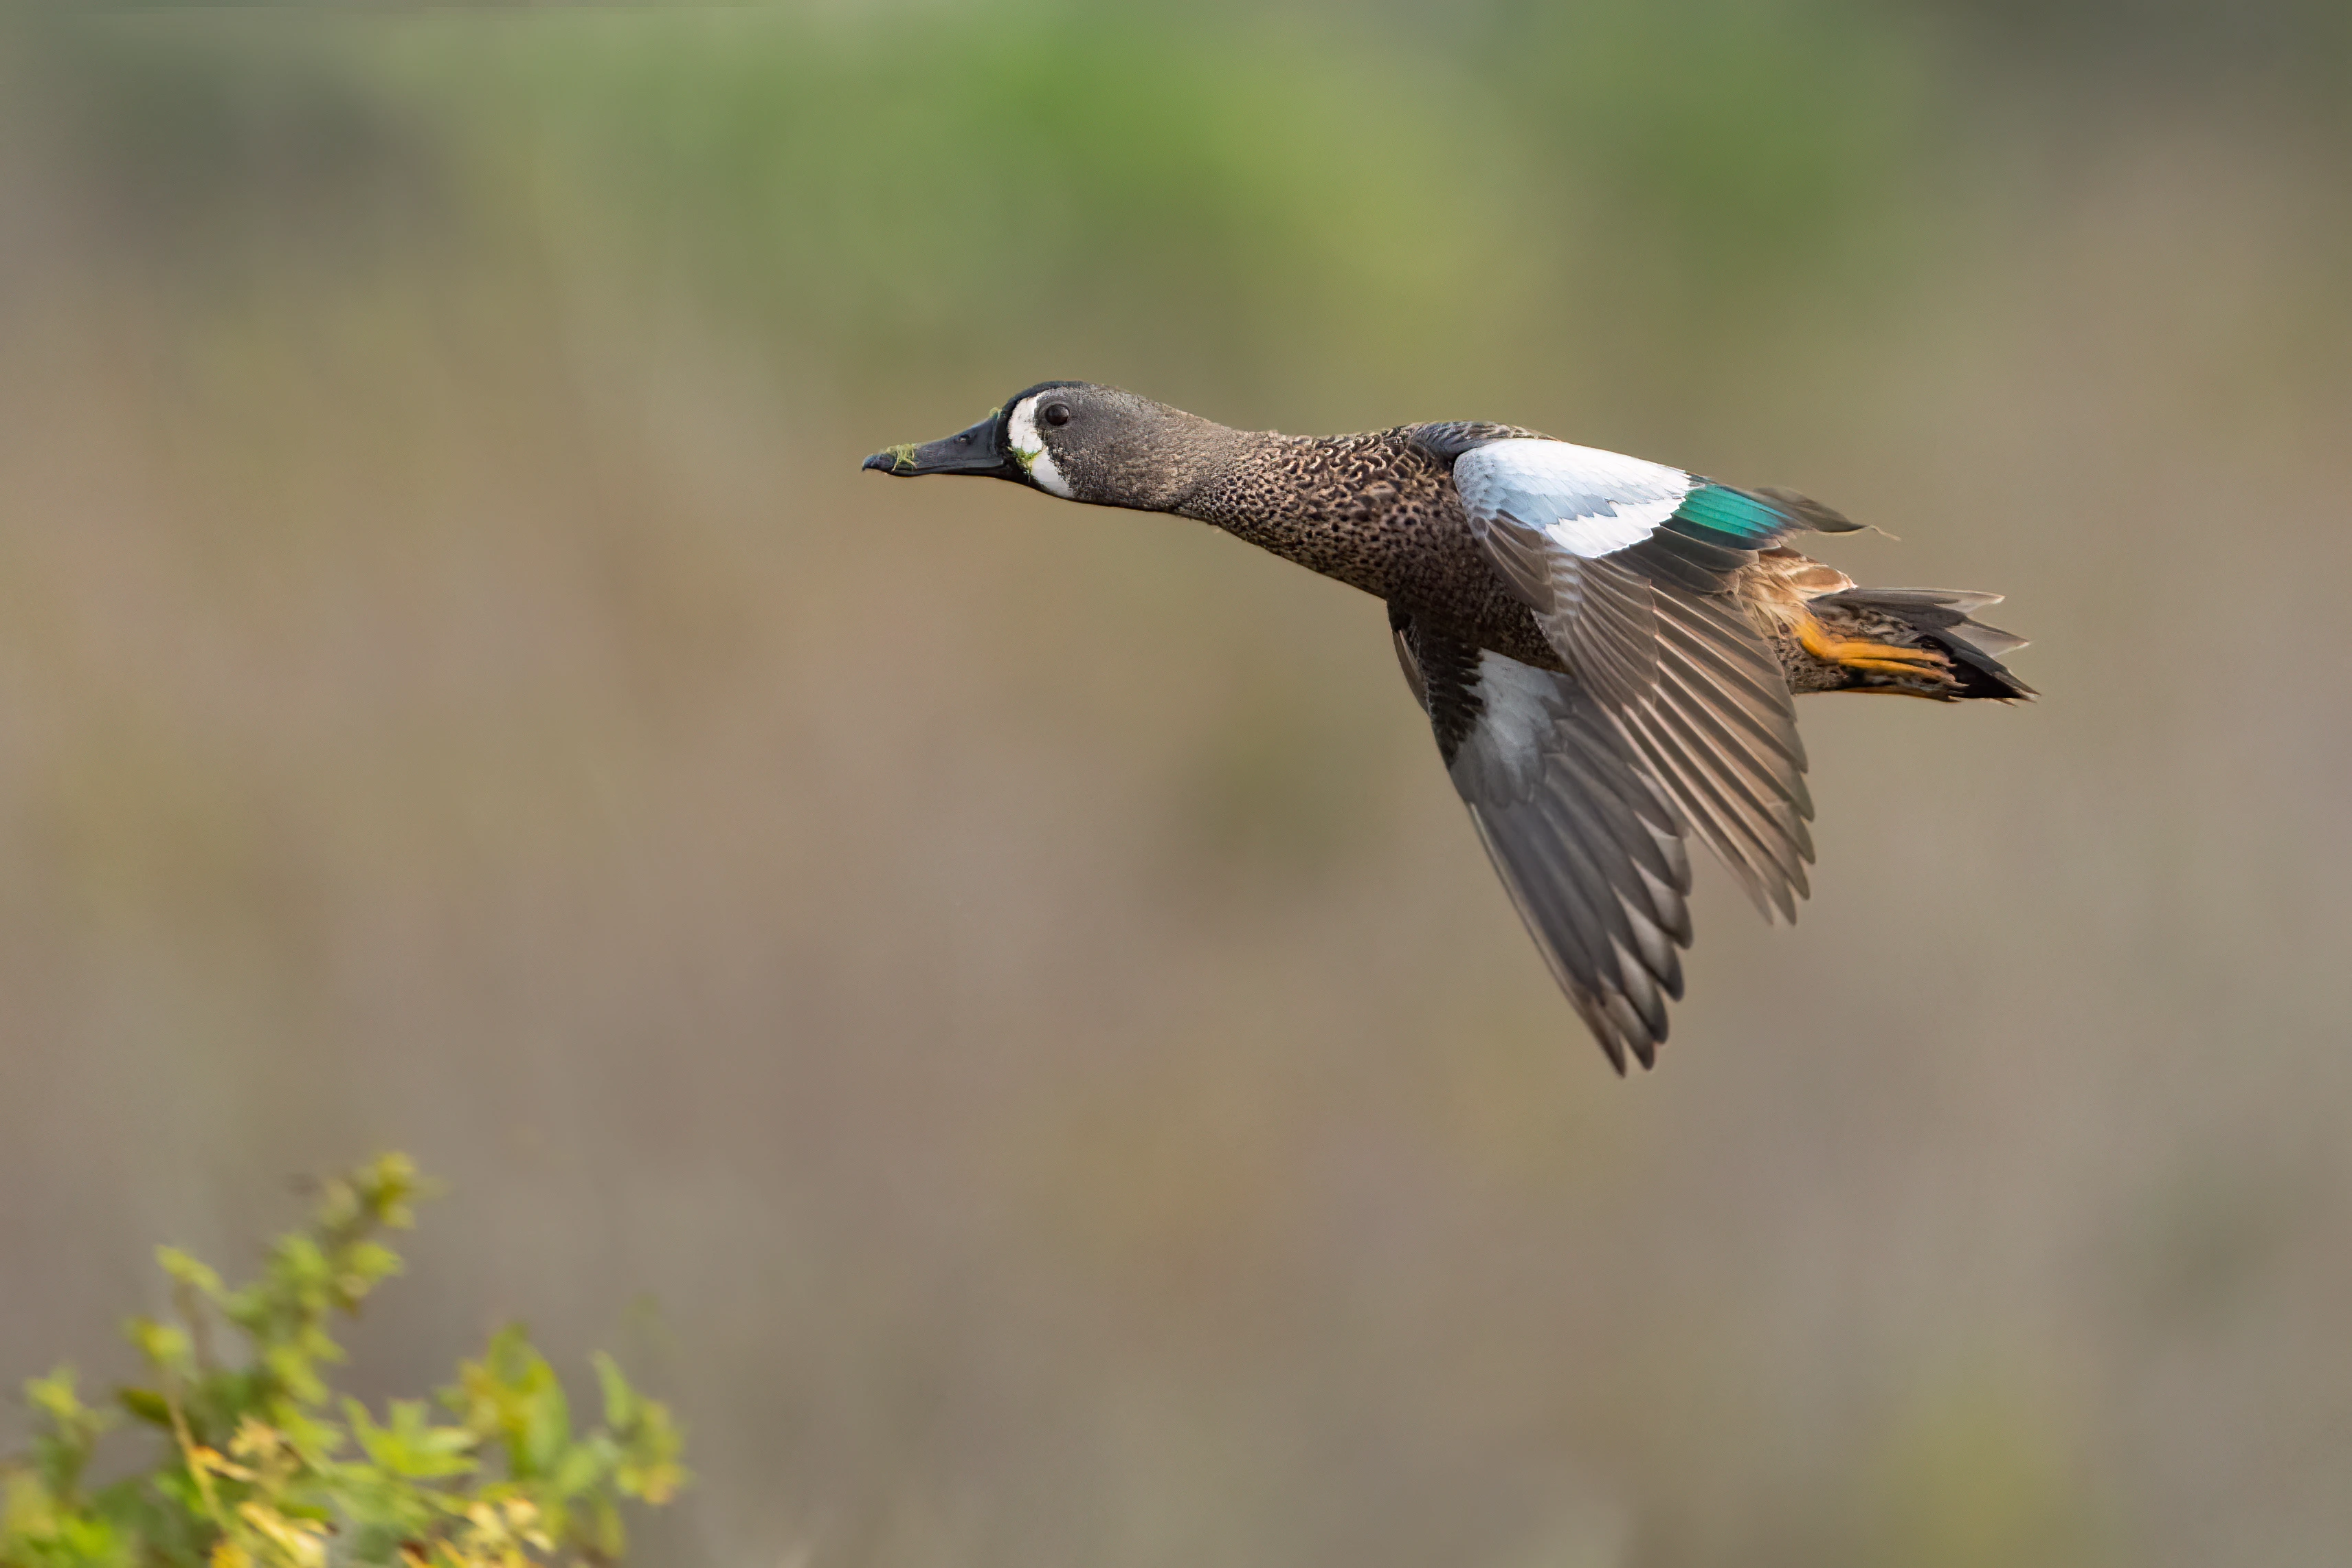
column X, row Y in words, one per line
column 992, row 1007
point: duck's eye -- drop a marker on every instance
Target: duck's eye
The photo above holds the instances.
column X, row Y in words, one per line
column 1057, row 414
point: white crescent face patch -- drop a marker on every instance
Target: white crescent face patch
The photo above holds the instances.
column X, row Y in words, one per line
column 1029, row 448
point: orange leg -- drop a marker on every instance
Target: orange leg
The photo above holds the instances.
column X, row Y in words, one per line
column 1919, row 663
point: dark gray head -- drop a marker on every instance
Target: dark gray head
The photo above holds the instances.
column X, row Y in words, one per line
column 1081, row 442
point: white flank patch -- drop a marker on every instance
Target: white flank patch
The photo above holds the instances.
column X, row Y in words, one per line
column 1587, row 501
column 1029, row 447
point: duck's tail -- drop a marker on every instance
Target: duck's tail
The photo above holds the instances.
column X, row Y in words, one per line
column 1863, row 635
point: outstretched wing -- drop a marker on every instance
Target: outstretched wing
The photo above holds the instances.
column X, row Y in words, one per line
column 1588, row 848
column 1627, row 565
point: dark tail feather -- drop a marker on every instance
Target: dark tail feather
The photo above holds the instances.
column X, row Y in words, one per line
column 1943, row 619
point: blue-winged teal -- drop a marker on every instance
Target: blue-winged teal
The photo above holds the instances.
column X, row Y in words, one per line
column 1607, row 647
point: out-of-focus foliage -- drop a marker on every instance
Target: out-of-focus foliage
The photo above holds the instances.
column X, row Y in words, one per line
column 264, row 1467
column 1284, row 196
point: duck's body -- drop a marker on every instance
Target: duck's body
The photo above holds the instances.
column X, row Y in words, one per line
column 1606, row 648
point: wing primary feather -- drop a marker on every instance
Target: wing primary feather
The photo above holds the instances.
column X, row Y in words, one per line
column 1557, row 920
column 1771, row 825
column 1689, row 705
column 1626, row 827
column 1741, row 738
column 1713, row 736
column 1599, row 897
column 1744, row 741
column 1698, row 812
column 1642, row 869
column 1673, row 909
column 1713, row 819
column 1708, row 643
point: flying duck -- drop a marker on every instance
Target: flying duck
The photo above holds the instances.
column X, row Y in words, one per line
column 1606, row 648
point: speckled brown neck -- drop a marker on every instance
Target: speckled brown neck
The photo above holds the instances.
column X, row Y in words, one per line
column 1330, row 503
column 1376, row 510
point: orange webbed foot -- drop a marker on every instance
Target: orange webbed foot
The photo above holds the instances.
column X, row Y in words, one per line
column 1884, row 659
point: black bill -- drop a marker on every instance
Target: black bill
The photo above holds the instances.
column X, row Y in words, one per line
column 979, row 450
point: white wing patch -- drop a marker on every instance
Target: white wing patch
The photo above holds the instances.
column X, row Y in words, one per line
column 1587, row 501
column 1029, row 448
column 1519, row 713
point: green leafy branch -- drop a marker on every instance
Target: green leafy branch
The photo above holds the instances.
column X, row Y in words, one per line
column 264, row 1467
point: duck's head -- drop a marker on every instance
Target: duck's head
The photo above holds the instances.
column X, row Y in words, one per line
column 1079, row 441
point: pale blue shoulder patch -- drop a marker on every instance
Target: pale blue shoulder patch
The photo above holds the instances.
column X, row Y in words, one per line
column 1587, row 501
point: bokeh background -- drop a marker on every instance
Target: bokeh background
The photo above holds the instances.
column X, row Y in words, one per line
column 991, row 1006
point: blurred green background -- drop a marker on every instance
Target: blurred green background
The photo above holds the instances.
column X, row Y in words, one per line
column 992, row 1007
